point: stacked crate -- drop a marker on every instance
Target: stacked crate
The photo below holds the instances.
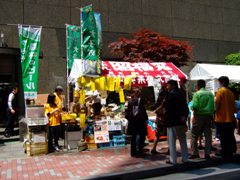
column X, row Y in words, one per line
column 37, row 131
column 36, row 142
column 104, row 145
column 119, row 140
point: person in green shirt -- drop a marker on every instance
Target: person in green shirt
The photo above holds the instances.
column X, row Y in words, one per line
column 203, row 111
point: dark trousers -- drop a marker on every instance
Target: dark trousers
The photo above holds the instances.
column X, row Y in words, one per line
column 10, row 124
column 137, row 143
column 53, row 137
column 227, row 138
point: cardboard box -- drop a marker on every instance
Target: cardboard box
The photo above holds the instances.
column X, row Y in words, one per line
column 35, row 112
column 41, row 99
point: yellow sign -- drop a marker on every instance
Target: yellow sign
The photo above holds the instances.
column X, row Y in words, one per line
column 102, row 83
column 127, row 83
column 117, row 84
column 82, row 97
column 93, row 87
column 121, row 96
column 82, row 120
column 110, row 83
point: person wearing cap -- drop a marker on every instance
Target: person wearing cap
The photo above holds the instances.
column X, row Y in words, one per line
column 176, row 116
column 225, row 119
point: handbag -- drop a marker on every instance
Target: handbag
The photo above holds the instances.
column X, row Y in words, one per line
column 161, row 110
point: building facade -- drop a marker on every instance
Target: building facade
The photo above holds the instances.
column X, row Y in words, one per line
column 212, row 27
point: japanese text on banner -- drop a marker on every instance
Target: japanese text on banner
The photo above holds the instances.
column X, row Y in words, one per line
column 29, row 46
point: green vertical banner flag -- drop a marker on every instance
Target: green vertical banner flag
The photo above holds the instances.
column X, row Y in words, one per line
column 73, row 44
column 29, row 46
column 99, row 28
column 90, row 51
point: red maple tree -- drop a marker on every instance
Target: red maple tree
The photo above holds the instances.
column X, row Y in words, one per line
column 149, row 46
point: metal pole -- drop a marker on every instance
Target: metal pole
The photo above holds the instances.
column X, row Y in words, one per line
column 81, row 56
column 67, row 74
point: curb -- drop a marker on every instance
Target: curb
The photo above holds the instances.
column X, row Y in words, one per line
column 166, row 169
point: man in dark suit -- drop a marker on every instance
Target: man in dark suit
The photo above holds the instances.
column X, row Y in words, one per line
column 137, row 122
column 176, row 115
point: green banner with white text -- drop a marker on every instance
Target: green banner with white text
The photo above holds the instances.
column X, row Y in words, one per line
column 90, row 51
column 29, row 46
column 73, row 44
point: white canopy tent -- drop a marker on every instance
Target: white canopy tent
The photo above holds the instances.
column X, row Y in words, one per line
column 214, row 71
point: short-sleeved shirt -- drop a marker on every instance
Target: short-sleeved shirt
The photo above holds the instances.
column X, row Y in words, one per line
column 54, row 119
column 226, row 107
column 203, row 102
column 59, row 101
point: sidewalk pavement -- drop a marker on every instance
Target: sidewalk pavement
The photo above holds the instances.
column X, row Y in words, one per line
column 110, row 163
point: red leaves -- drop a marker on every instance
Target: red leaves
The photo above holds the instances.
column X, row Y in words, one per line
column 148, row 46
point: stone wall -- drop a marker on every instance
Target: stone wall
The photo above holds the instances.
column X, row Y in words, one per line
column 211, row 26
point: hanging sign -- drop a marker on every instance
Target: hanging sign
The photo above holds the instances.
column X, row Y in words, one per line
column 29, row 46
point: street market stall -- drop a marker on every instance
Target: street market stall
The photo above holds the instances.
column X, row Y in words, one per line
column 119, row 77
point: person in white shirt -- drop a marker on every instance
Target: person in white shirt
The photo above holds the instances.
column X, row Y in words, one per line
column 11, row 112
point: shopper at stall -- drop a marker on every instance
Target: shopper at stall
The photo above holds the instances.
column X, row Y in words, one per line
column 53, row 113
column 176, row 117
column 203, row 110
column 137, row 122
column 225, row 119
column 11, row 112
column 161, row 129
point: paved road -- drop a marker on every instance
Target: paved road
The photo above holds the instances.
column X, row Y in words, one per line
column 224, row 171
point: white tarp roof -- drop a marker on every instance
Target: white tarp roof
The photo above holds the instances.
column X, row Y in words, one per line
column 76, row 71
column 214, row 71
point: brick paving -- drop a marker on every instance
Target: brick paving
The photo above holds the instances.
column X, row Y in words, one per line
column 83, row 165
